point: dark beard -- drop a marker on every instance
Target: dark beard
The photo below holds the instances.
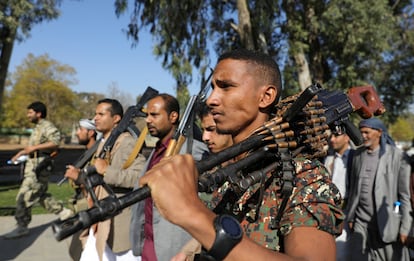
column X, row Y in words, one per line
column 83, row 142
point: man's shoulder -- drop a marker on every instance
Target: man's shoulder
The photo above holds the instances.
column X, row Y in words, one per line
column 125, row 135
column 46, row 124
column 395, row 151
column 199, row 150
column 328, row 160
column 312, row 176
column 309, row 165
column 198, row 145
column 313, row 191
column 357, row 151
column 48, row 129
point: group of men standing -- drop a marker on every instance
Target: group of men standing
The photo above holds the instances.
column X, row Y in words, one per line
column 246, row 85
column 374, row 180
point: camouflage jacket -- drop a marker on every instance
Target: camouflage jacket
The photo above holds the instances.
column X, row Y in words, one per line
column 314, row 202
column 43, row 132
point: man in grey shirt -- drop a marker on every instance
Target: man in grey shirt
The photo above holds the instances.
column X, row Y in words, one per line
column 379, row 181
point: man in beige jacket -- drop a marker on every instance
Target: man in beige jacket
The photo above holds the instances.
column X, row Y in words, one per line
column 109, row 240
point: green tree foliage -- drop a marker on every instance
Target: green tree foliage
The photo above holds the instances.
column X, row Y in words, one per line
column 86, row 102
column 17, row 18
column 338, row 43
column 46, row 80
column 402, row 129
column 182, row 29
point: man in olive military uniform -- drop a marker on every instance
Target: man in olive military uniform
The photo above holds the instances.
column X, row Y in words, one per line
column 43, row 141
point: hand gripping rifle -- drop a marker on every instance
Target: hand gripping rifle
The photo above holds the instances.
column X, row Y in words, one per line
column 298, row 128
column 83, row 159
column 112, row 205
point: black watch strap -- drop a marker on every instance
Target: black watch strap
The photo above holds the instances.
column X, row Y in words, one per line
column 228, row 234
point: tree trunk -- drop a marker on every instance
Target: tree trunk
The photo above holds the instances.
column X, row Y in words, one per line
column 304, row 77
column 6, row 52
column 245, row 27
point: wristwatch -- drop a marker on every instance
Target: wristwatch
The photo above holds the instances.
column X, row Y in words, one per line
column 228, row 234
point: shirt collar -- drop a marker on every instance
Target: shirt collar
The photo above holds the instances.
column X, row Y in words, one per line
column 164, row 144
column 345, row 155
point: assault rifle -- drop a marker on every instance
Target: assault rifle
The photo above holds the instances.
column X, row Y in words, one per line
column 112, row 205
column 287, row 131
column 186, row 123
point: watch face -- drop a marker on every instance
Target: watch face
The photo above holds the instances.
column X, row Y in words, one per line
column 231, row 226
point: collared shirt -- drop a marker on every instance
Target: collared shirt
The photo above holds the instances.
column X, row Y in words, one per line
column 148, row 251
column 365, row 211
column 339, row 172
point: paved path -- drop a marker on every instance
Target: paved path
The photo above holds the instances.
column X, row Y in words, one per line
column 40, row 244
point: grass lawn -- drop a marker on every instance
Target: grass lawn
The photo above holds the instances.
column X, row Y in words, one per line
column 8, row 197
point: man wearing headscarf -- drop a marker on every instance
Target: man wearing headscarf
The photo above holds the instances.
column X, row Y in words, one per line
column 379, row 199
column 86, row 133
column 87, row 136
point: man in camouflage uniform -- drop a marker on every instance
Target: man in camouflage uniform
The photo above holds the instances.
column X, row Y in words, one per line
column 43, row 141
column 246, row 86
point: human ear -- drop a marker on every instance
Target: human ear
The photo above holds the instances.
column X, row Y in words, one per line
column 173, row 117
column 268, row 96
column 117, row 118
column 91, row 133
